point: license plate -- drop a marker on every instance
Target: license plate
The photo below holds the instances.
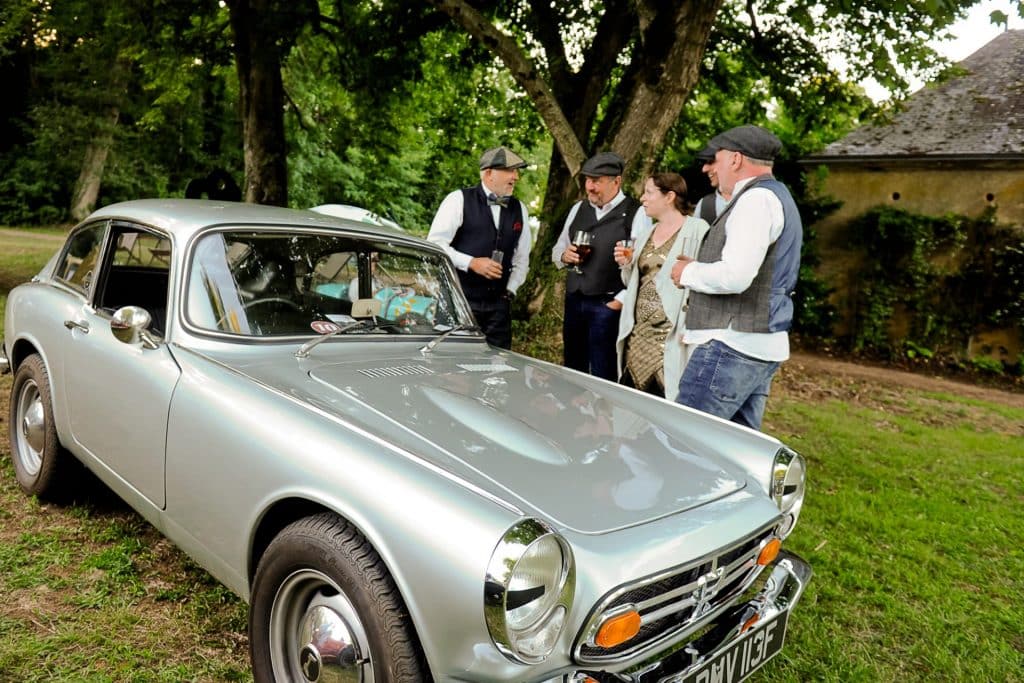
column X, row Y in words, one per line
column 743, row 657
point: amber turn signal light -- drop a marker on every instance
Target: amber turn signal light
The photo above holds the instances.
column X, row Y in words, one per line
column 749, row 623
column 769, row 552
column 618, row 629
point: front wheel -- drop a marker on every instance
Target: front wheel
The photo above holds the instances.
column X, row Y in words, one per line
column 324, row 608
column 40, row 462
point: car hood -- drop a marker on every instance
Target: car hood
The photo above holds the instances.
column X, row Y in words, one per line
column 590, row 455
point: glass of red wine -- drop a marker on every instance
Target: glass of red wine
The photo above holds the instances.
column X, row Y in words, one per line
column 582, row 242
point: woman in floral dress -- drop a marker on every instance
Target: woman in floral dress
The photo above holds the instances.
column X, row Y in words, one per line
column 650, row 351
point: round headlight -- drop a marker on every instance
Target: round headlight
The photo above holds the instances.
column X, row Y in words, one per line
column 788, row 486
column 528, row 591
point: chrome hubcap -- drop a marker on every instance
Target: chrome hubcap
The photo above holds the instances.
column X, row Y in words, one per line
column 316, row 635
column 31, row 427
column 326, row 652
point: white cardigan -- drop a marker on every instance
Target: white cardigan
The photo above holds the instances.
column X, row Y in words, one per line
column 673, row 298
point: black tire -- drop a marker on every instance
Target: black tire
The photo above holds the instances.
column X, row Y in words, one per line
column 320, row 569
column 40, row 463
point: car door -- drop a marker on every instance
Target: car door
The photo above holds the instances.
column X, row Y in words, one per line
column 118, row 394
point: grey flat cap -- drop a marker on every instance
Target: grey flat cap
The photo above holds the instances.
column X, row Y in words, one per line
column 501, row 157
column 749, row 140
column 602, row 164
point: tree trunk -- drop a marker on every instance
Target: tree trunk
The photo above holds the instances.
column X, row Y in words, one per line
column 583, row 111
column 660, row 80
column 261, row 100
column 87, row 187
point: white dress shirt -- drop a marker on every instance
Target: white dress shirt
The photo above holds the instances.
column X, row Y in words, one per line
column 750, row 228
column 448, row 220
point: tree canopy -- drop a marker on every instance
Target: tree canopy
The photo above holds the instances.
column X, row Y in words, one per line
column 388, row 104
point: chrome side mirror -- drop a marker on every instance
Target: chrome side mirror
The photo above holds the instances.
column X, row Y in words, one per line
column 130, row 325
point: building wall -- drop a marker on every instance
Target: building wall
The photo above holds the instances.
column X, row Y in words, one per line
column 963, row 190
column 936, row 191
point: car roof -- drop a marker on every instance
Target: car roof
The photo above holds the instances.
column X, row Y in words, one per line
column 356, row 213
column 182, row 218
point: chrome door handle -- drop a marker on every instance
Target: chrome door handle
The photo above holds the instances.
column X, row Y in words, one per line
column 75, row 324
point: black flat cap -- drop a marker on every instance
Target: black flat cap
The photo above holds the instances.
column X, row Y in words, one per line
column 603, row 163
column 706, row 154
column 501, row 157
column 749, row 140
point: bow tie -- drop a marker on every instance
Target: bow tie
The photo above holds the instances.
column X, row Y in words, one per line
column 493, row 199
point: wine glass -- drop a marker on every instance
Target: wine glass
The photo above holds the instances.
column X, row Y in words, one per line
column 582, row 242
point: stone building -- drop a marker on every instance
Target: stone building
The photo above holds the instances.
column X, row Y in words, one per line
column 956, row 147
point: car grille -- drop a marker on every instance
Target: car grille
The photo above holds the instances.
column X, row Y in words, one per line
column 676, row 602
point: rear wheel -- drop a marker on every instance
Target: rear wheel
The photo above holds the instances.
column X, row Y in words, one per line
column 324, row 608
column 40, row 462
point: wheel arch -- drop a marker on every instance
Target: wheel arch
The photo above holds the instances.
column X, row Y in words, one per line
column 274, row 520
column 288, row 510
column 22, row 349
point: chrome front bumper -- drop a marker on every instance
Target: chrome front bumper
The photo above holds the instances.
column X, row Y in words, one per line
column 746, row 622
column 5, row 365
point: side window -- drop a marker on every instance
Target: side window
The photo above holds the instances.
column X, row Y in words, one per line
column 136, row 273
column 78, row 264
column 142, row 249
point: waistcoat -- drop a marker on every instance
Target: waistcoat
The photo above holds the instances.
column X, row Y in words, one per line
column 767, row 304
column 601, row 274
column 477, row 237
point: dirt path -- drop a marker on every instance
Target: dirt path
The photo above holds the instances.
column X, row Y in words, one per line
column 803, row 374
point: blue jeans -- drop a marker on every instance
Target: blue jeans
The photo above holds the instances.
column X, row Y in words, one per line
column 589, row 331
column 726, row 383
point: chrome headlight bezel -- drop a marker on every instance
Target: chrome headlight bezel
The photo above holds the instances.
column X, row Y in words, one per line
column 533, row 642
column 787, row 486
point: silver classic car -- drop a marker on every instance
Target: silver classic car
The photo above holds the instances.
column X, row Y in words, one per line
column 304, row 405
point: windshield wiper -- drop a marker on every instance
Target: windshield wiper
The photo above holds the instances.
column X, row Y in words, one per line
column 373, row 323
column 441, row 337
column 304, row 350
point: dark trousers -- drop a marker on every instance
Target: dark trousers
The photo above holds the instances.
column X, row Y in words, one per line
column 589, row 331
column 494, row 316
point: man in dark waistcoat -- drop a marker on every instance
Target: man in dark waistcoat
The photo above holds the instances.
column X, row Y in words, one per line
column 486, row 232
column 740, row 306
column 593, row 296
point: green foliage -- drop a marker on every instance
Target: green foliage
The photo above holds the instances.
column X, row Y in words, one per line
column 147, row 77
column 398, row 147
column 987, row 364
column 949, row 276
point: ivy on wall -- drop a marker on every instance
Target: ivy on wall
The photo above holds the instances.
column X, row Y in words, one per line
column 930, row 283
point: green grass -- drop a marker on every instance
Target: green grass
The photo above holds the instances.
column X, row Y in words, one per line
column 914, row 525
column 23, row 252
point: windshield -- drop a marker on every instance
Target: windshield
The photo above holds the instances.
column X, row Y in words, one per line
column 274, row 283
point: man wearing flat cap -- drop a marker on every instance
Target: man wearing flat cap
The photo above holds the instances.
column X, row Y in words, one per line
column 593, row 286
column 486, row 232
column 713, row 203
column 741, row 284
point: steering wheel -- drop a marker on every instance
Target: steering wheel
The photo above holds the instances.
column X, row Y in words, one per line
column 259, row 302
column 271, row 300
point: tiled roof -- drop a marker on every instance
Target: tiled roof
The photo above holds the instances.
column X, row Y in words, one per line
column 978, row 114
